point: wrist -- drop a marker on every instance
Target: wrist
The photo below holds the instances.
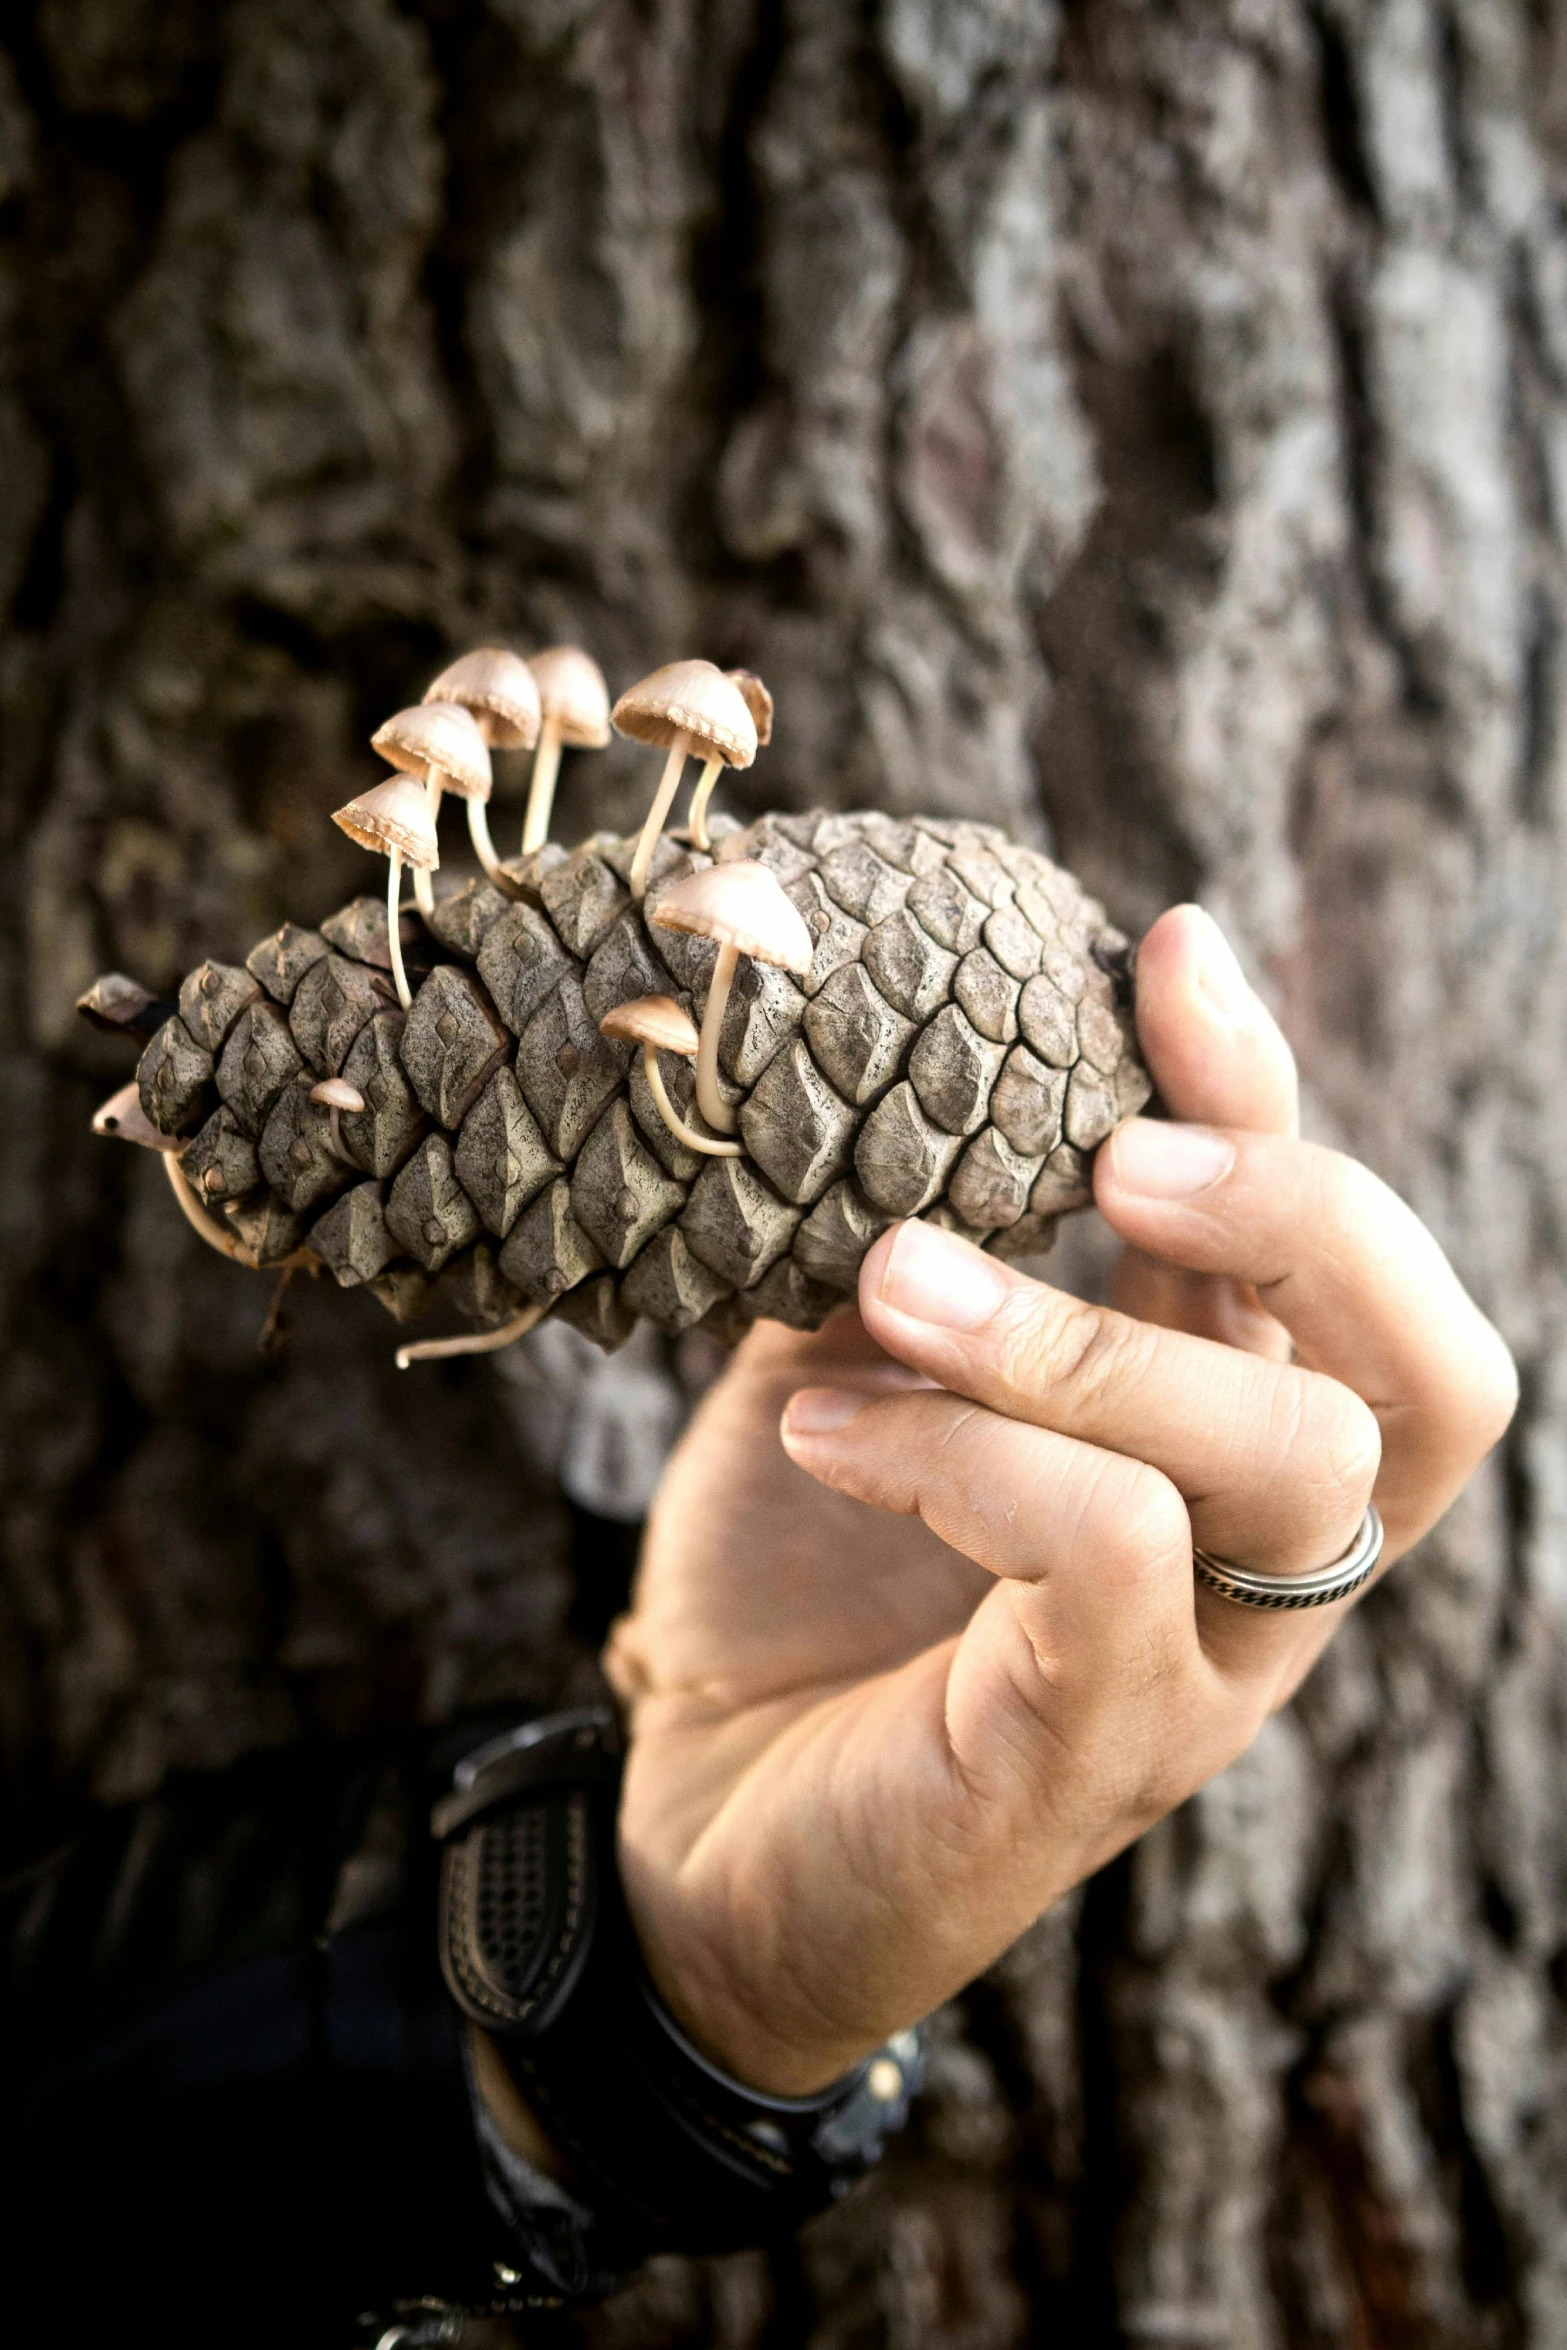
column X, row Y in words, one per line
column 665, row 2148
column 724, row 2020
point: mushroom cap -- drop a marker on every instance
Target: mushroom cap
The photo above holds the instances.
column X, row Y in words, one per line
column 757, row 700
column 335, row 1093
column 691, row 698
column 439, row 735
column 572, row 694
column 395, row 815
column 656, row 1020
column 740, row 905
column 497, row 689
column 123, row 1116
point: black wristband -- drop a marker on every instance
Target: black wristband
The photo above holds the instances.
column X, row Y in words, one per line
column 538, row 1950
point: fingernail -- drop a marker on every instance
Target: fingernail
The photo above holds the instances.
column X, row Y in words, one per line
column 1157, row 1161
column 817, row 1410
column 1220, row 976
column 933, row 1277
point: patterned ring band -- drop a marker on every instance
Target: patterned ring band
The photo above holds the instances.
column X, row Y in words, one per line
column 1337, row 1581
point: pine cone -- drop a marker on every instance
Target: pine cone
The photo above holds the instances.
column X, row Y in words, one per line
column 960, row 1046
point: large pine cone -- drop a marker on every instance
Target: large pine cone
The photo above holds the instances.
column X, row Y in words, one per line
column 961, row 1045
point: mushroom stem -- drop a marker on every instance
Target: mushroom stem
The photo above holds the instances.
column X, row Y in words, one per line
column 668, row 785
column 483, row 846
column 394, row 894
column 541, row 787
column 709, row 1100
column 335, row 1117
column 697, row 820
column 424, row 887
column 477, row 1342
column 671, row 1116
column 226, row 1243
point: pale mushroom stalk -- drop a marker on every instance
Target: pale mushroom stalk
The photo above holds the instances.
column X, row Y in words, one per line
column 424, row 887
column 759, row 702
column 541, row 786
column 483, row 845
column 228, row 1244
column 663, row 800
column 671, row 1116
column 498, row 690
column 394, row 906
column 688, row 709
column 697, row 821
column 335, row 1095
column 743, row 910
column 477, row 1342
column 709, row 1100
column 441, row 746
column 393, row 822
column 657, row 1023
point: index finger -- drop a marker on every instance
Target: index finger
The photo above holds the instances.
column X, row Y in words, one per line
column 1352, row 1273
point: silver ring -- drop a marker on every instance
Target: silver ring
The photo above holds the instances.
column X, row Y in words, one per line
column 1337, row 1581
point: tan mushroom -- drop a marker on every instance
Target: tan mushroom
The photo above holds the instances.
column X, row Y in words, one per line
column 440, row 743
column 123, row 1116
column 337, row 1095
column 688, row 706
column 742, row 908
column 657, row 1024
column 759, row 702
column 574, row 701
column 496, row 688
column 394, row 821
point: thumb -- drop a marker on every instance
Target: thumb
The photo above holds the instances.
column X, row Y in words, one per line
column 1216, row 1055
column 1213, row 1047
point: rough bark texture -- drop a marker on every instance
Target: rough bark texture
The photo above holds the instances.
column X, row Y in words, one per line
column 1143, row 425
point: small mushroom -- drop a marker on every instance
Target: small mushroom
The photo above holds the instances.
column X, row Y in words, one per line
column 123, row 1116
column 657, row 1023
column 688, row 706
column 337, row 1095
column 759, row 702
column 498, row 691
column 394, row 821
column 742, row 908
column 440, row 742
column 574, row 701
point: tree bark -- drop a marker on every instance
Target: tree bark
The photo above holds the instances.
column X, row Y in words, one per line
column 1144, row 427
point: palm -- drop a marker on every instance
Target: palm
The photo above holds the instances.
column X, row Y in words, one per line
column 757, row 1585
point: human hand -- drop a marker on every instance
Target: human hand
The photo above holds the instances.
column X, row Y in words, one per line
column 904, row 1669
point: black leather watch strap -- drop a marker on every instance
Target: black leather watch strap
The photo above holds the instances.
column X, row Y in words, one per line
column 537, row 1949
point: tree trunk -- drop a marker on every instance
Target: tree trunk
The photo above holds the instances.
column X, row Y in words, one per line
column 1143, row 426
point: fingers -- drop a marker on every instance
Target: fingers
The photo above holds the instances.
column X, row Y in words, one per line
column 1098, row 1544
column 1352, row 1274
column 1212, row 1046
column 1275, row 1463
column 1217, row 1057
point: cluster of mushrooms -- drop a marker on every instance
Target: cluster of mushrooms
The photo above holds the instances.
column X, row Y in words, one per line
column 491, row 700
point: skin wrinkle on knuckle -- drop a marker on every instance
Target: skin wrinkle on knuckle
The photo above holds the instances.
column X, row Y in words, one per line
column 1332, row 1450
column 1066, row 1350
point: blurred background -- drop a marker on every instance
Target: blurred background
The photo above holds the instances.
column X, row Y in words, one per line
column 1142, row 426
